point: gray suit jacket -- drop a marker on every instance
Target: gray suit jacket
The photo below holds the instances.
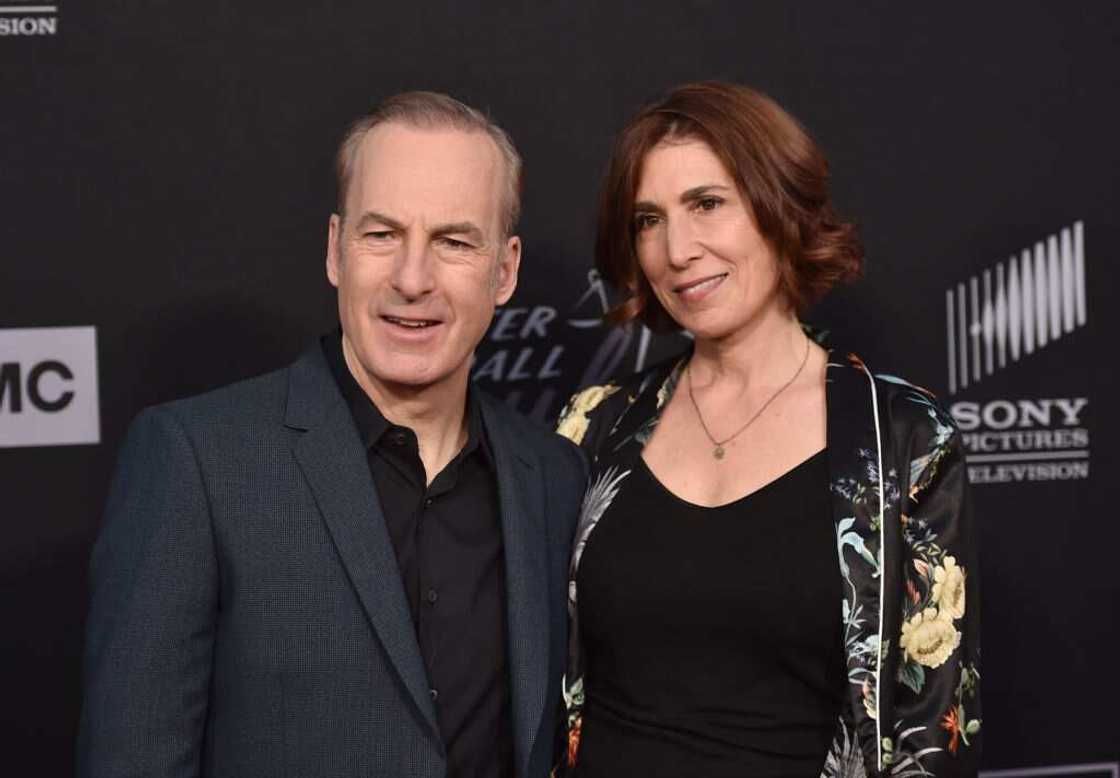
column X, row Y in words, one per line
column 248, row 616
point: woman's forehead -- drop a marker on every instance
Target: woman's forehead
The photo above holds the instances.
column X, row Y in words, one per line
column 672, row 166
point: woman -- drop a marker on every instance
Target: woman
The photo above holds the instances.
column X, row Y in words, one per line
column 774, row 572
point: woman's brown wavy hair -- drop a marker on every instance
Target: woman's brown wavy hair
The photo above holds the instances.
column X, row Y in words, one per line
column 780, row 171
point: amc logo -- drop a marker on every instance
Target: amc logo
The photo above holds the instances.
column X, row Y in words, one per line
column 48, row 387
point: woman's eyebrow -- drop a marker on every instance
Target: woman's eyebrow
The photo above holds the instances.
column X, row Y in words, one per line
column 697, row 192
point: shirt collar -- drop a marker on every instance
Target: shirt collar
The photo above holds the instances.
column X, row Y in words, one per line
column 372, row 424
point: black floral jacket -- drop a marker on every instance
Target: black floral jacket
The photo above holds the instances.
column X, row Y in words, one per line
column 906, row 551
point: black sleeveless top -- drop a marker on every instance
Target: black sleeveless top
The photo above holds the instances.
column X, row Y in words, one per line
column 713, row 636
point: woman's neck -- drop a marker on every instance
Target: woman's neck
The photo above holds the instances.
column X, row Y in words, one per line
column 763, row 353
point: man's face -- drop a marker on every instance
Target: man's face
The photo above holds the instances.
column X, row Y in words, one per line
column 420, row 261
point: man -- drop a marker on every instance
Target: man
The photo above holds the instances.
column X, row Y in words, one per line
column 355, row 565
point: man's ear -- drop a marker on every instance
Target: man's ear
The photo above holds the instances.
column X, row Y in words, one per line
column 334, row 239
column 505, row 276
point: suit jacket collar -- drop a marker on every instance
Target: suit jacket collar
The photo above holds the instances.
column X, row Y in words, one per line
column 333, row 459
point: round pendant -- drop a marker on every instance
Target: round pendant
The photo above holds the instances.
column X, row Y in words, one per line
column 718, row 452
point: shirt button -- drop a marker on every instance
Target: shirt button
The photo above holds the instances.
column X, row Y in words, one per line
column 434, row 693
column 398, row 438
column 428, row 502
column 433, row 595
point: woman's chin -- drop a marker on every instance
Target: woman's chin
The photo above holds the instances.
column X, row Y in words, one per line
column 707, row 328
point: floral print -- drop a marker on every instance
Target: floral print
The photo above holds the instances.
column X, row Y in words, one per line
column 955, row 722
column 928, row 639
column 948, row 588
column 904, row 551
column 602, row 491
column 574, row 421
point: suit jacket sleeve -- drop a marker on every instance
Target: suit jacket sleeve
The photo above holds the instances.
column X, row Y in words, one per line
column 154, row 594
column 937, row 704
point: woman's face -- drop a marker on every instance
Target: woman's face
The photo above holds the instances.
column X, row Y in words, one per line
column 698, row 244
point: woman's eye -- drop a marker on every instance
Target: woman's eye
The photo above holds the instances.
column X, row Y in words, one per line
column 708, row 203
column 643, row 221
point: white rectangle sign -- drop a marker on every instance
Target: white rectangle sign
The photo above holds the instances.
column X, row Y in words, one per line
column 48, row 387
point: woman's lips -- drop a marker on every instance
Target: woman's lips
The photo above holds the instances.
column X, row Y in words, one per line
column 699, row 289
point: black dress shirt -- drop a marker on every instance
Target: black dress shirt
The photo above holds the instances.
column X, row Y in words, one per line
column 448, row 541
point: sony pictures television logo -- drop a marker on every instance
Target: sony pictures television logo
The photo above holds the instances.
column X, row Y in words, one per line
column 48, row 387
column 995, row 321
column 24, row 20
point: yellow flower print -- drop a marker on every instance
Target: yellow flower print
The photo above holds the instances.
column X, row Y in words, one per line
column 928, row 639
column 948, row 589
column 573, row 419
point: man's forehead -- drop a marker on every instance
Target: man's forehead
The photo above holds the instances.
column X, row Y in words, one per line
column 443, row 168
column 395, row 144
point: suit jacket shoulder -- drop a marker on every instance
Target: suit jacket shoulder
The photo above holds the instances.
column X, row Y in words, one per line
column 251, row 404
column 560, row 457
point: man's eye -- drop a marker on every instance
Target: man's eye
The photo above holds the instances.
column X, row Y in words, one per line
column 451, row 243
column 378, row 234
column 708, row 203
column 643, row 221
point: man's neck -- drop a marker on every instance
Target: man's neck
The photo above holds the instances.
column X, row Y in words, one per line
column 436, row 413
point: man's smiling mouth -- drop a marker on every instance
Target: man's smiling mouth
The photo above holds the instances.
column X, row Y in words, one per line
column 414, row 324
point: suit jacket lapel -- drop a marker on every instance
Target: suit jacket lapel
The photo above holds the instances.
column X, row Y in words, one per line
column 524, row 539
column 853, row 452
column 333, row 461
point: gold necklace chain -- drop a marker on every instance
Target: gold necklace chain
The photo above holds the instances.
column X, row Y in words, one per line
column 718, row 451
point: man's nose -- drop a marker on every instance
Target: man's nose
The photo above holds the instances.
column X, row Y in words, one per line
column 412, row 272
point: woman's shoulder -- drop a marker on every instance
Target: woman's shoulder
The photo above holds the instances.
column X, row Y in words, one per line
column 905, row 401
column 600, row 405
column 923, row 428
column 916, row 411
column 918, row 427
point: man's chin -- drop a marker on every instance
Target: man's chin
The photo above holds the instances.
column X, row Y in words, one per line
column 411, row 372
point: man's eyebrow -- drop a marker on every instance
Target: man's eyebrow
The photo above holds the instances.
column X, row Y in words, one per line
column 380, row 218
column 458, row 228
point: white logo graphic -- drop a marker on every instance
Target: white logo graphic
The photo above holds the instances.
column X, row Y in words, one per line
column 28, row 20
column 1100, row 770
column 48, row 387
column 1024, row 440
column 1035, row 300
column 998, row 318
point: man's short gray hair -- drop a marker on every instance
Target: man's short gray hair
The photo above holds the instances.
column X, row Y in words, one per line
column 432, row 110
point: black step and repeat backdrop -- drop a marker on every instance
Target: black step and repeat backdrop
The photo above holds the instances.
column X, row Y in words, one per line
column 165, row 183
